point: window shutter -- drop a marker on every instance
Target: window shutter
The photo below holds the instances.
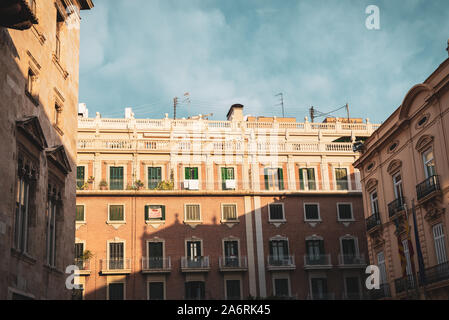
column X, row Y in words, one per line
column 301, row 179
column 267, row 187
column 195, row 173
column 146, row 213
column 223, row 178
column 163, row 212
column 187, row 173
column 311, row 178
column 281, row 178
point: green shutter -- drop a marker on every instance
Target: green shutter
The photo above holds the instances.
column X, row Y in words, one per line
column 195, row 173
column 301, row 179
column 281, row 178
column 223, row 178
column 116, row 178
column 187, row 173
column 79, row 176
column 266, row 178
column 311, row 178
column 154, row 177
column 163, row 212
column 79, row 213
column 146, row 213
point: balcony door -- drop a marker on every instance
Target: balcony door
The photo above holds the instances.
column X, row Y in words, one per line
column 349, row 250
column 194, row 253
column 352, row 285
column 315, row 251
column 116, row 178
column 279, row 252
column 155, row 255
column 226, row 174
column 429, row 164
column 319, row 288
column 231, row 251
column 116, row 255
column 397, row 184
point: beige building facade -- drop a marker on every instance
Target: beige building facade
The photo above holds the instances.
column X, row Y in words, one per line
column 404, row 167
column 39, row 60
column 201, row 209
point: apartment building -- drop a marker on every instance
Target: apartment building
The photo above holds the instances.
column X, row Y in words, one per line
column 404, row 167
column 201, row 209
column 39, row 45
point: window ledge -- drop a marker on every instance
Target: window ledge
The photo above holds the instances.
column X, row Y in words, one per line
column 79, row 224
column 193, row 224
column 277, row 223
column 23, row 256
column 313, row 223
column 230, row 223
column 155, row 224
column 53, row 269
column 116, row 224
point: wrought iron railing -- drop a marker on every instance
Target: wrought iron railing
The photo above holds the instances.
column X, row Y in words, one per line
column 437, row 273
column 156, row 263
column 351, row 259
column 195, row 262
column 396, row 206
column 428, row 186
column 281, row 261
column 115, row 264
column 232, row 262
column 404, row 284
column 383, row 292
column 317, row 260
column 372, row 221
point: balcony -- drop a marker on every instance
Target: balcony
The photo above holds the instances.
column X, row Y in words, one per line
column 115, row 266
column 279, row 263
column 396, row 206
column 156, row 265
column 195, row 264
column 381, row 293
column 351, row 261
column 83, row 266
column 322, row 261
column 373, row 221
column 427, row 189
column 18, row 14
column 233, row 264
column 437, row 273
column 404, row 284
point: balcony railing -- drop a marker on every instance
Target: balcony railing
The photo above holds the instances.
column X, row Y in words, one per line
column 373, row 221
column 381, row 293
column 120, row 265
column 321, row 296
column 232, row 263
column 82, row 264
column 281, row 262
column 437, row 273
column 403, row 284
column 428, row 186
column 396, row 206
column 156, row 264
column 195, row 264
column 317, row 261
column 351, row 260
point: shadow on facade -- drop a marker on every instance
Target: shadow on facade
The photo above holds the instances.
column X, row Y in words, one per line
column 287, row 259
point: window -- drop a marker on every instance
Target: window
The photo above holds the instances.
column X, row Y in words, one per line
column 193, row 250
column 58, row 116
column 233, row 290
column 116, row 255
column 192, row 212
column 116, row 178
column 279, row 252
column 195, row 290
column 21, row 228
column 116, row 291
column 307, row 179
column 397, row 184
column 344, row 211
column 80, row 176
column 155, row 255
column 31, row 86
column 154, row 177
column 59, row 25
column 352, row 285
column 116, row 213
column 231, row 251
column 315, row 252
column 312, row 212
column 429, row 164
column 80, row 213
column 191, row 173
column 349, row 251
column 77, row 294
column 440, row 245
column 407, row 256
column 52, row 208
column 154, row 213
column 274, row 179
column 319, row 288
column 156, row 290
column 374, row 202
column 276, row 211
column 382, row 267
column 79, row 253
column 281, row 288
column 341, row 177
column 229, row 212
column 228, row 178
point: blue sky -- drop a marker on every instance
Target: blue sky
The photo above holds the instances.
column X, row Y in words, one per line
column 143, row 53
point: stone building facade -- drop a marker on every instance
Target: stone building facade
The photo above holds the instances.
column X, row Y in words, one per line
column 200, row 209
column 404, row 167
column 39, row 60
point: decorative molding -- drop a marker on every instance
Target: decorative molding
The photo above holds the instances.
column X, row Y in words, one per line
column 155, row 224
column 371, row 184
column 424, row 142
column 394, row 166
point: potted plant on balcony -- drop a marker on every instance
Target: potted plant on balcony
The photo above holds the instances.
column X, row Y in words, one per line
column 165, row 185
column 103, row 185
column 138, row 185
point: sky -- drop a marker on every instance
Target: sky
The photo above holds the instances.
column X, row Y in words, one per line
column 143, row 53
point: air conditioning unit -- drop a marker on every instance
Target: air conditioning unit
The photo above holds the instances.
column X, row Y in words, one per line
column 191, row 184
column 230, row 184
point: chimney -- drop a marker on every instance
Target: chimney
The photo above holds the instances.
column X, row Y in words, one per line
column 235, row 113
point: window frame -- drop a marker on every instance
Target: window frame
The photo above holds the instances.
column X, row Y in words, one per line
column 423, row 157
column 109, row 221
column 281, row 277
column 278, row 184
column 109, row 175
column 161, row 280
column 147, row 177
column 84, row 213
column 283, row 212
column 156, row 220
column 305, row 212
column 185, row 212
column 348, row 178
column 338, row 211
column 226, row 279
column 236, row 213
column 123, row 282
column 305, row 181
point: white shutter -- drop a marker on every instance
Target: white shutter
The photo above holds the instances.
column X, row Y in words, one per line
column 382, row 267
column 440, row 246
